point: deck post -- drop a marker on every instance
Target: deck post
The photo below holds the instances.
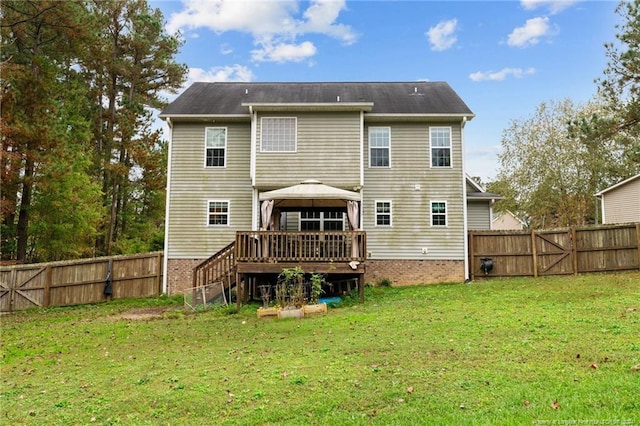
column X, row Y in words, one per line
column 238, row 289
column 361, row 287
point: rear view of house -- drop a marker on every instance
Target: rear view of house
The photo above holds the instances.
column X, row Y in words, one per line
column 364, row 179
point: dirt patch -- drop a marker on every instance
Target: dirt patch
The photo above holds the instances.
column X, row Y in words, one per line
column 146, row 313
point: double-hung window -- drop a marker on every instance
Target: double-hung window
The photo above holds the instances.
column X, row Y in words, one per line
column 440, row 142
column 438, row 213
column 278, row 134
column 218, row 213
column 383, row 213
column 379, row 146
column 215, row 147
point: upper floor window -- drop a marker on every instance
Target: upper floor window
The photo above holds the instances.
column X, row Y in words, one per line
column 440, row 141
column 438, row 213
column 218, row 212
column 215, row 147
column 278, row 134
column 383, row 213
column 379, row 146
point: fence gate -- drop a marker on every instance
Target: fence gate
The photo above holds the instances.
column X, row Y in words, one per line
column 552, row 253
column 22, row 289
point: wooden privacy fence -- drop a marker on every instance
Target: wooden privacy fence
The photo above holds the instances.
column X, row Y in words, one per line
column 556, row 252
column 80, row 281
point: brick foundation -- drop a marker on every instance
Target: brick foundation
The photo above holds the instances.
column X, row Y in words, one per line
column 180, row 274
column 400, row 272
column 414, row 272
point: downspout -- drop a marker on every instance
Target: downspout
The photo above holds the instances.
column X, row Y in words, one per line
column 361, row 149
column 252, row 169
column 165, row 257
column 361, row 172
column 464, row 203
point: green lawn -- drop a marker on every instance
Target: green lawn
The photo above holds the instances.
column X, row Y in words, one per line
column 557, row 350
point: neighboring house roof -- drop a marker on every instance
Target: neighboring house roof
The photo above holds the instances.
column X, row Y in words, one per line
column 501, row 215
column 233, row 99
column 617, row 185
column 480, row 193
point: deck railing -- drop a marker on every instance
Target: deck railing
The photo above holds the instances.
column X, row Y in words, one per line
column 218, row 268
column 305, row 246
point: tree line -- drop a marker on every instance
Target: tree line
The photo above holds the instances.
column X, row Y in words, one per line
column 83, row 172
column 554, row 162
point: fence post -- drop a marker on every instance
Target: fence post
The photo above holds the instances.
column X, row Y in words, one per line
column 13, row 283
column 159, row 264
column 574, row 250
column 638, row 242
column 534, row 253
column 472, row 274
column 47, row 287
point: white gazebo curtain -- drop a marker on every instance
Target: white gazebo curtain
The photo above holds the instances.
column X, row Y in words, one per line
column 354, row 220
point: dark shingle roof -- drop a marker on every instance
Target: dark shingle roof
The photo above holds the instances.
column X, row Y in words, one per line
column 387, row 98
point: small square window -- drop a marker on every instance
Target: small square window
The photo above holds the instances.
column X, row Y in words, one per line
column 383, row 213
column 438, row 213
column 218, row 213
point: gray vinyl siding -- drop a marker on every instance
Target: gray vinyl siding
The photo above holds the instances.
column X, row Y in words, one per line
column 411, row 228
column 192, row 185
column 328, row 149
column 478, row 215
column 622, row 204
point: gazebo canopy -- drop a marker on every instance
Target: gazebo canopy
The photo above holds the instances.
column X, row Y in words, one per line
column 310, row 194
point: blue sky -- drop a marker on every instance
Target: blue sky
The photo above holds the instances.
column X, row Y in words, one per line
column 503, row 57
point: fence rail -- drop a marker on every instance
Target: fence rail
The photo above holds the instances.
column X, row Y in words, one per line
column 80, row 281
column 556, row 252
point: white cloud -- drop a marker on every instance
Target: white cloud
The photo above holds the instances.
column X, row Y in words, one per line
column 219, row 74
column 554, row 6
column 442, row 36
column 530, row 33
column 275, row 25
column 501, row 75
column 283, row 52
column 226, row 49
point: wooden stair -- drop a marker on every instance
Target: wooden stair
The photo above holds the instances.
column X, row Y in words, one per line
column 219, row 268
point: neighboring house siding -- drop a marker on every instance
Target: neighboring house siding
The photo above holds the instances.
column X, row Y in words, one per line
column 192, row 185
column 478, row 215
column 622, row 204
column 328, row 149
column 411, row 229
column 506, row 221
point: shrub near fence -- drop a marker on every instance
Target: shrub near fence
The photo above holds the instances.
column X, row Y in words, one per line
column 556, row 252
column 80, row 281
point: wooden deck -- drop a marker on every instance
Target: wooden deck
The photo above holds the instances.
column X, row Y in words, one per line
column 259, row 253
column 325, row 252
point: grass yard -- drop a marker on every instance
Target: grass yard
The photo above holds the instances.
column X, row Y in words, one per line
column 555, row 350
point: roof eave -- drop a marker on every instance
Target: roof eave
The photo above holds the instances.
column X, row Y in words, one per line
column 205, row 117
column 380, row 116
column 617, row 185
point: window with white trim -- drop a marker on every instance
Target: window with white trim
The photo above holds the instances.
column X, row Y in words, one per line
column 438, row 213
column 218, row 213
column 278, row 134
column 321, row 221
column 215, row 147
column 383, row 213
column 440, row 143
column 379, row 146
